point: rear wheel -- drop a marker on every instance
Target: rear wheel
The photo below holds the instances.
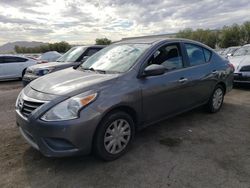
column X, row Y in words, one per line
column 216, row 100
column 114, row 136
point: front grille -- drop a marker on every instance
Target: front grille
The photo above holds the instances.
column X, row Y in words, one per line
column 29, row 107
column 245, row 68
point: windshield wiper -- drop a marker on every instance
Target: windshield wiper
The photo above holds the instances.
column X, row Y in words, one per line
column 94, row 70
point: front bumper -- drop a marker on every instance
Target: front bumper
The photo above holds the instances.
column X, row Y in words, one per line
column 241, row 78
column 60, row 139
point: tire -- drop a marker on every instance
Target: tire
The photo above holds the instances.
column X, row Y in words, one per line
column 123, row 126
column 23, row 73
column 216, row 99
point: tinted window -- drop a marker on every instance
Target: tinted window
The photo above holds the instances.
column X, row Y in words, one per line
column 14, row 59
column 1, row 59
column 195, row 54
column 168, row 56
column 92, row 51
column 207, row 54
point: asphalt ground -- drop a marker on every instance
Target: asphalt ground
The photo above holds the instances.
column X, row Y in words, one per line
column 195, row 149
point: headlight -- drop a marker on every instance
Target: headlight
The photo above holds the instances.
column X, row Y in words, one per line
column 19, row 100
column 41, row 72
column 70, row 108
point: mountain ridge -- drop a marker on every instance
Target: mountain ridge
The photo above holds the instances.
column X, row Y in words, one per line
column 10, row 46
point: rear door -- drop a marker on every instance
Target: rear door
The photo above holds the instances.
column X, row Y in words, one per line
column 2, row 74
column 201, row 73
column 13, row 66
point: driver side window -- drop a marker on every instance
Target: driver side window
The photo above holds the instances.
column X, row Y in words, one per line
column 169, row 56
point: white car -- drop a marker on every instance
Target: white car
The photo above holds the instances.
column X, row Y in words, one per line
column 241, row 63
column 13, row 67
column 229, row 51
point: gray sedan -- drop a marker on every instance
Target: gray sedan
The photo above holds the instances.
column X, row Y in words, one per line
column 121, row 89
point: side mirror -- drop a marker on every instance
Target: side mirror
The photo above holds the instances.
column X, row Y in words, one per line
column 84, row 58
column 154, row 70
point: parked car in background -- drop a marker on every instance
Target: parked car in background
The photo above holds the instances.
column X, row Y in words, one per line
column 13, row 66
column 122, row 88
column 229, row 51
column 74, row 57
column 50, row 56
column 219, row 50
column 241, row 63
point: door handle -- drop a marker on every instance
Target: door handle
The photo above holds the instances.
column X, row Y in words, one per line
column 182, row 80
column 214, row 72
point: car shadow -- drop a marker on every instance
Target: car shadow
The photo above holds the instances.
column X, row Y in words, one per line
column 242, row 86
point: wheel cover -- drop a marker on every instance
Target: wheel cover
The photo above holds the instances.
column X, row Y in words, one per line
column 217, row 98
column 117, row 136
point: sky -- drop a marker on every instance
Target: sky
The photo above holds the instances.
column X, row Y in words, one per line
column 82, row 21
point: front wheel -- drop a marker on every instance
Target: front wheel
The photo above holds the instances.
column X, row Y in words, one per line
column 23, row 73
column 216, row 100
column 114, row 135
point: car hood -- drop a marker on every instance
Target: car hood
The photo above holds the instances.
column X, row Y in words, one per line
column 50, row 65
column 239, row 61
column 69, row 82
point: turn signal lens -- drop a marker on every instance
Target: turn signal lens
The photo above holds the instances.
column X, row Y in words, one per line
column 85, row 101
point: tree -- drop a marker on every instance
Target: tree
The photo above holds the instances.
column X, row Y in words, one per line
column 207, row 37
column 186, row 33
column 245, row 31
column 102, row 41
column 231, row 36
column 17, row 49
column 61, row 47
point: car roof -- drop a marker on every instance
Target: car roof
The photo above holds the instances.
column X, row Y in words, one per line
column 11, row 55
column 90, row 46
column 246, row 45
column 152, row 40
column 97, row 46
column 155, row 40
column 232, row 47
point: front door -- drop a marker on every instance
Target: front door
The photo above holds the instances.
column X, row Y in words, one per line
column 169, row 93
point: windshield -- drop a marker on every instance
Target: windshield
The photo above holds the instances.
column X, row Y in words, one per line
column 245, row 50
column 115, row 58
column 72, row 55
column 229, row 50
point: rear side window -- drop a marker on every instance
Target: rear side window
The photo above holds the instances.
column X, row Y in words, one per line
column 92, row 51
column 1, row 59
column 207, row 54
column 14, row 59
column 197, row 55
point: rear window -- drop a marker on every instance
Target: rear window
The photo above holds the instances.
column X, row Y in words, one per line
column 197, row 55
column 208, row 54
